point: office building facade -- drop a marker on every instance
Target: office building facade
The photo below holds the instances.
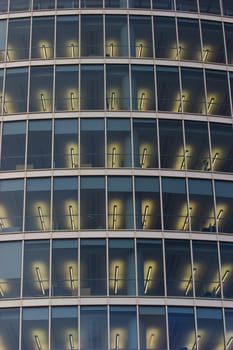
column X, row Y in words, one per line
column 116, row 174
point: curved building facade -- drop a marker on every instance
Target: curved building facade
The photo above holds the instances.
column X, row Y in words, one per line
column 116, row 175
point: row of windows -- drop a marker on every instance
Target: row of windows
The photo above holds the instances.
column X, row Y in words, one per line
column 116, row 143
column 116, row 327
column 206, row 6
column 116, row 267
column 115, row 87
column 116, row 36
column 116, row 202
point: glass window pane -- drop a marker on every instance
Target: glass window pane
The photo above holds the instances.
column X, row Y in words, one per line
column 165, row 35
column 224, row 206
column 66, row 153
column 9, row 327
column 3, row 31
column 206, row 277
column 41, row 89
column 213, row 45
column 175, row 209
column 229, row 327
column 16, row 90
column 193, row 93
column 43, row 4
column 165, row 4
column 140, row 36
column 181, row 322
column 210, row 328
column 121, row 267
column 13, row 146
column 222, row 146
column 92, row 209
column 65, row 203
column 11, row 205
column 145, row 143
column 201, row 206
column 152, row 327
column 37, row 216
column 209, row 6
column 226, row 251
column 169, row 97
column 92, row 143
column 227, row 7
column 217, row 93
column 172, row 154
column 65, row 268
column 150, row 267
column 186, row 5
column 197, row 153
column 35, row 328
column 67, row 34
column 147, row 203
column 64, row 327
column 18, row 39
column 118, row 143
column 143, row 88
column 42, row 36
column 66, row 89
column 178, row 269
column 39, row 153
column 93, row 267
column 36, row 269
column 117, row 87
column 93, row 328
column 187, row 49
column 123, row 327
column 92, row 87
column 116, row 34
column 10, row 272
column 92, row 35
column 120, row 203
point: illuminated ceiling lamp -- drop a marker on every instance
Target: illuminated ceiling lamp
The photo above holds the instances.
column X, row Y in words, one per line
column 114, row 219
column 205, row 54
column 117, row 341
column 140, row 48
column 144, row 154
column 145, row 216
column 37, row 341
column 40, row 280
column 210, row 104
column 186, row 220
column 43, row 102
column 116, row 279
column 113, row 157
column 44, row 50
column 141, row 101
column 190, row 282
column 148, row 279
column 223, row 280
column 71, row 341
column 71, row 274
column 71, row 214
column 184, row 159
column 214, row 159
column 181, row 105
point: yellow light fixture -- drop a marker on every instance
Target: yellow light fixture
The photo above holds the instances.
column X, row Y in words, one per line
column 41, row 217
column 114, row 216
column 205, row 54
column 72, row 157
column 113, row 157
column 5, row 111
column 141, row 101
column 190, row 282
column 37, row 341
column 214, row 159
column 111, row 49
column 187, row 218
column 71, row 341
column 196, row 342
column 184, row 159
column 229, row 342
column 210, row 104
column 71, row 273
column 219, row 215
column 43, row 102
column 44, row 50
column 140, row 47
column 145, row 215
column 144, row 153
column 223, row 280
column 148, row 278
column 2, row 292
column 113, row 100
column 181, row 106
column 8, row 56
column 72, row 101
column 116, row 279
column 71, row 214
column 1, row 224
column 117, row 341
column 40, row 280
column 72, row 46
column 179, row 49
column 152, row 337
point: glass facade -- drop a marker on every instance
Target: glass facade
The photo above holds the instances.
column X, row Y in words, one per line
column 116, row 175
